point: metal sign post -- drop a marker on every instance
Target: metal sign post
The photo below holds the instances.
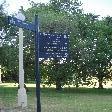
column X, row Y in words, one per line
column 34, row 28
column 0, row 75
column 37, row 73
column 46, row 46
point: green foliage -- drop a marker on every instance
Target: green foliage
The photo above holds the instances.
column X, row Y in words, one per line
column 90, row 44
column 51, row 21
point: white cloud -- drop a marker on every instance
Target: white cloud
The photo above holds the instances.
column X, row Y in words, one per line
column 14, row 5
column 100, row 7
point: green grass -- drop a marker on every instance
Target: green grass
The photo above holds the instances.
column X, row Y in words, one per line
column 68, row 100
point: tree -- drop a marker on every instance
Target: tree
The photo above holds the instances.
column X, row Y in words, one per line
column 70, row 6
column 8, row 47
column 102, row 53
column 60, row 21
column 94, row 49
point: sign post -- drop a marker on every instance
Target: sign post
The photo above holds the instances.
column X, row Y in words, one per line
column 22, row 96
column 0, row 75
column 37, row 73
column 19, row 21
column 46, row 46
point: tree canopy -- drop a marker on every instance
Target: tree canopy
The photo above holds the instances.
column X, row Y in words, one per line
column 90, row 45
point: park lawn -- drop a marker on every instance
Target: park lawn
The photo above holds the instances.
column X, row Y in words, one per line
column 68, row 100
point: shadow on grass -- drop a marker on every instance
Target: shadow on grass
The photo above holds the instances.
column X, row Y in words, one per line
column 88, row 90
column 32, row 90
column 77, row 91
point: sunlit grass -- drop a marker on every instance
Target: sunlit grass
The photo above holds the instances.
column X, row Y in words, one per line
column 15, row 85
column 108, row 85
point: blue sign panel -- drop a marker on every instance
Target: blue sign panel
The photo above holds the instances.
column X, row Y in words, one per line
column 21, row 24
column 53, row 45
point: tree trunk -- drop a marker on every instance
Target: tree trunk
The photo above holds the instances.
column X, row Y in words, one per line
column 100, row 80
column 58, row 79
column 58, row 85
column 77, row 85
column 77, row 82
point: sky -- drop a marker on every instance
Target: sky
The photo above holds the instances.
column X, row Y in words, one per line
column 98, row 7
